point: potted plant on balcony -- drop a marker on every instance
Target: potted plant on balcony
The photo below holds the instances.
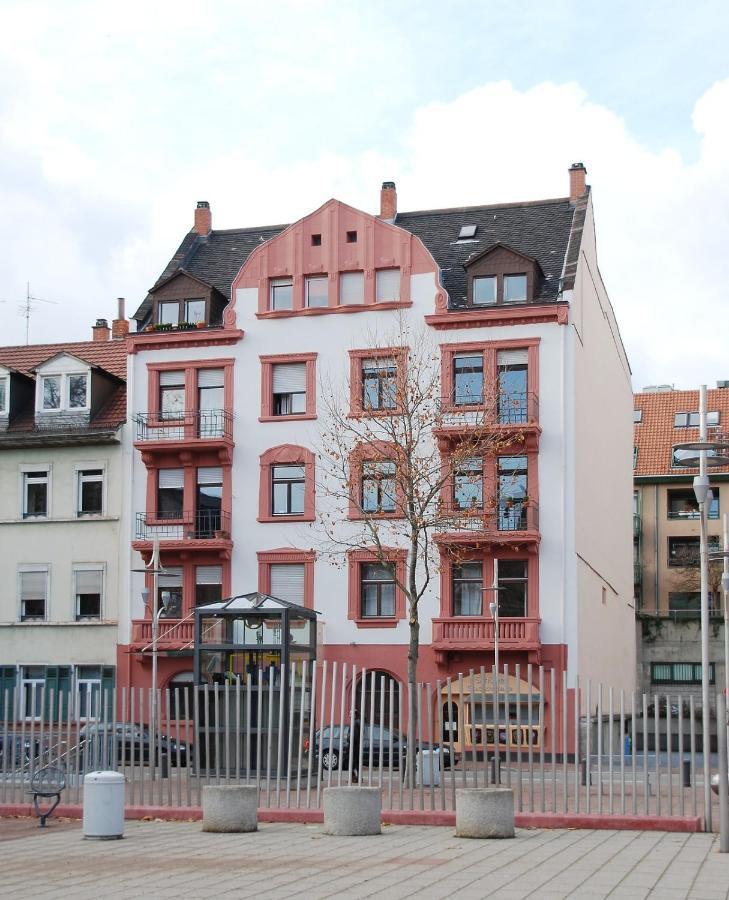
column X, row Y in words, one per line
column 185, row 326
column 200, row 324
column 221, row 534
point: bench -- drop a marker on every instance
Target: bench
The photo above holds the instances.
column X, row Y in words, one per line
column 46, row 784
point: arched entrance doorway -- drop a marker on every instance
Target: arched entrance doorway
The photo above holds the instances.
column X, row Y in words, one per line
column 381, row 697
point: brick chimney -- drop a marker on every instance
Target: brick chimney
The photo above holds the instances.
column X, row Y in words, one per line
column 203, row 218
column 120, row 326
column 100, row 331
column 388, row 201
column 578, row 172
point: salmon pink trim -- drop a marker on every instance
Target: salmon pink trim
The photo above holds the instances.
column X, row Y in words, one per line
column 286, row 454
column 284, row 555
column 447, row 561
column 267, row 364
column 355, row 560
column 531, row 314
column 373, row 451
column 356, row 358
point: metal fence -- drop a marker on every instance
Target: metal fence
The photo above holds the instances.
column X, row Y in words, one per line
column 587, row 750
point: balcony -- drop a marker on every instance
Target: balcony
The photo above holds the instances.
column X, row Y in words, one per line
column 174, row 634
column 512, row 409
column 199, row 426
column 477, row 633
column 207, row 529
column 506, row 523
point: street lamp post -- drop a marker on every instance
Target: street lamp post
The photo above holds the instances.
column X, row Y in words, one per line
column 494, row 609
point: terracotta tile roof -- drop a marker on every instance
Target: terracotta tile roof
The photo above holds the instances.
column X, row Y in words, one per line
column 655, row 436
column 108, row 355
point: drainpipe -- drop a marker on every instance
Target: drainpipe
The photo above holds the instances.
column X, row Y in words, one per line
column 655, row 545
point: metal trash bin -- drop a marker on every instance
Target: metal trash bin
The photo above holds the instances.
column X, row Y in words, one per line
column 103, row 806
column 428, row 768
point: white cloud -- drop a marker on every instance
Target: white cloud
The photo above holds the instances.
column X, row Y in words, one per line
column 98, row 192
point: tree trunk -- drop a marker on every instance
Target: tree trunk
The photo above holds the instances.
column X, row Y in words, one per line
column 413, row 650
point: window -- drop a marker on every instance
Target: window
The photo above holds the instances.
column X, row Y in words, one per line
column 316, row 240
column 682, row 505
column 289, row 389
column 32, row 683
column 378, row 487
column 288, row 582
column 468, row 483
column 51, row 391
column 208, row 585
column 316, row 291
column 182, row 696
column 512, row 581
column 287, row 490
column 387, row 285
column 377, row 590
column 512, row 487
column 90, row 500
column 282, row 293
column 88, row 587
column 468, row 379
column 515, row 288
column 171, row 395
column 484, row 290
column 168, row 312
column 467, row 589
column 211, row 402
column 351, row 288
column 195, row 310
column 170, row 492
column 77, row 385
column 351, row 237
column 379, row 384
column 208, row 502
column 679, row 673
column 637, row 416
column 467, row 232
column 35, row 494
column 88, row 692
column 169, row 593
column 684, row 551
column 512, row 371
column 691, row 419
column 33, row 586
column 3, row 395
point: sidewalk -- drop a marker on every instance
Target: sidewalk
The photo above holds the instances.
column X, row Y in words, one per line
column 175, row 859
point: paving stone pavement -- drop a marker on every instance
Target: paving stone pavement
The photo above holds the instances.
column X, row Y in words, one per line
column 176, row 859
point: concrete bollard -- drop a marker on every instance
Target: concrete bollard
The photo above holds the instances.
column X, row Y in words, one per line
column 352, row 810
column 485, row 812
column 229, row 808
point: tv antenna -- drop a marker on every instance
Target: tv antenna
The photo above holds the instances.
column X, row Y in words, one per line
column 26, row 308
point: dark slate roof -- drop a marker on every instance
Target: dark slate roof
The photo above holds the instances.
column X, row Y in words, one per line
column 540, row 229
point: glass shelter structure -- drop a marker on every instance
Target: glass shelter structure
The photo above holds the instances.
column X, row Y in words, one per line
column 266, row 648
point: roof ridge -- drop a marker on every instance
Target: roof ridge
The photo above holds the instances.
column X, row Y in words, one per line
column 511, row 205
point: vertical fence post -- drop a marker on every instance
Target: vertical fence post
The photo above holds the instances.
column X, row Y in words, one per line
column 723, row 777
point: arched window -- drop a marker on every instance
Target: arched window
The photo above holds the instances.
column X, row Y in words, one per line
column 286, row 490
column 379, row 699
column 181, row 686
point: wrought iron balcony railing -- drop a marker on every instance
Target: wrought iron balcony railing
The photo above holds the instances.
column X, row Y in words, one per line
column 510, row 516
column 200, row 525
column 210, row 424
column 512, row 408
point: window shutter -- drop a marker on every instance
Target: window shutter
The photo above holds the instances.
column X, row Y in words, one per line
column 383, row 363
column 210, row 378
column 108, row 677
column 212, row 475
column 171, row 478
column 512, row 357
column 7, row 691
column 33, row 585
column 88, row 581
column 287, row 582
column 289, row 378
column 388, row 284
column 351, row 288
column 173, row 578
column 209, row 575
column 171, row 379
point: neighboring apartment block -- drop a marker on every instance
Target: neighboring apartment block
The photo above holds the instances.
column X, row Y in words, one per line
column 62, row 414
column 666, row 541
column 234, row 343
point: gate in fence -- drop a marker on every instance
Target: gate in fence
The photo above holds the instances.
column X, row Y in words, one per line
column 295, row 730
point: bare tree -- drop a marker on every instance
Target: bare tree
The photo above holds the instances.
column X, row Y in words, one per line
column 402, row 466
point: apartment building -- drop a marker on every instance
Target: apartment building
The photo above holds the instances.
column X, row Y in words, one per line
column 666, row 541
column 62, row 415
column 234, row 342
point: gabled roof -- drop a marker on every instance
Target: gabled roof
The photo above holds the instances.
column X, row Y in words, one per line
column 176, row 274
column 656, row 435
column 499, row 245
column 540, row 230
column 111, row 356
column 75, row 356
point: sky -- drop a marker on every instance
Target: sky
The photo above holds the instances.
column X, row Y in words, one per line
column 116, row 118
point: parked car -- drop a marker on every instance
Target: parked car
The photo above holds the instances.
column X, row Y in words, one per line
column 374, row 736
column 133, row 743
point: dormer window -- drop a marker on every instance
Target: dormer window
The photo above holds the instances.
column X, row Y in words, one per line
column 69, row 391
column 484, row 290
column 515, row 288
column 501, row 275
